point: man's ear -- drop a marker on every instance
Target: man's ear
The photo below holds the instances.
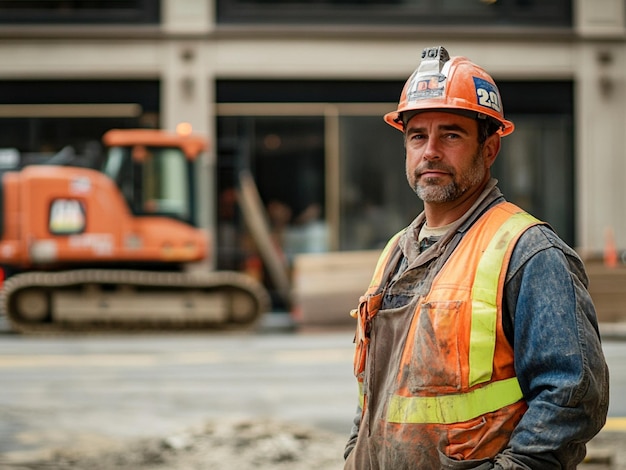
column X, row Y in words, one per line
column 491, row 149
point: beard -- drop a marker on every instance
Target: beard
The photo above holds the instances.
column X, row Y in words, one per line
column 430, row 190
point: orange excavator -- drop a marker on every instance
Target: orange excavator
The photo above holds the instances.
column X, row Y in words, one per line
column 85, row 249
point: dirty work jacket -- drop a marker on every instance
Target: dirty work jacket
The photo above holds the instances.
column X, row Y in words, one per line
column 455, row 393
column 549, row 320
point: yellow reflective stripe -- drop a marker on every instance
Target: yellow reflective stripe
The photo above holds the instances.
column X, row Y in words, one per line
column 382, row 259
column 484, row 297
column 457, row 408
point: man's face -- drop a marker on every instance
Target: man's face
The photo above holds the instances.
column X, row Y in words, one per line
column 444, row 160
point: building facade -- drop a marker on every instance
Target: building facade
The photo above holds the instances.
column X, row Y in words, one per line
column 294, row 92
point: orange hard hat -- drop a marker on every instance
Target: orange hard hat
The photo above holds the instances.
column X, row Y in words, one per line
column 451, row 84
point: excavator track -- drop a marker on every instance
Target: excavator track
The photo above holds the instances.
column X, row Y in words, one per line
column 89, row 300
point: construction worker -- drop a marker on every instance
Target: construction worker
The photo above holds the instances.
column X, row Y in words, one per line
column 477, row 342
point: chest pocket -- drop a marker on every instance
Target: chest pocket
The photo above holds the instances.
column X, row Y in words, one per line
column 435, row 362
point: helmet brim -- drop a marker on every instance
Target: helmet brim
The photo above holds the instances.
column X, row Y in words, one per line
column 394, row 118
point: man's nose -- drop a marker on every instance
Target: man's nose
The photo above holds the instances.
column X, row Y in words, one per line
column 432, row 151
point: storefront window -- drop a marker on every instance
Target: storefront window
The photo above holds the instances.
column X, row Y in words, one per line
column 554, row 13
column 535, row 169
column 43, row 118
column 344, row 160
column 285, row 157
column 79, row 11
column 375, row 200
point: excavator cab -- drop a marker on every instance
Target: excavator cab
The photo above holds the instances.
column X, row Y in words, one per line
column 154, row 176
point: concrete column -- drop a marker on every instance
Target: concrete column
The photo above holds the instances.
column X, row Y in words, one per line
column 601, row 167
column 188, row 95
column 600, row 128
column 186, row 77
column 187, row 92
column 187, row 16
column 599, row 18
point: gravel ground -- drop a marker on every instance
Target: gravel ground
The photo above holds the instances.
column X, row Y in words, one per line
column 226, row 445
column 244, row 445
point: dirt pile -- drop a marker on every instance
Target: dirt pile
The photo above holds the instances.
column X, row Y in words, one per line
column 236, row 445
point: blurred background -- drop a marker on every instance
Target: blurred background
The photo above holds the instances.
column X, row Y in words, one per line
column 293, row 93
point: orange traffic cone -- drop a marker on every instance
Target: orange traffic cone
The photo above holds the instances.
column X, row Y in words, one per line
column 610, row 252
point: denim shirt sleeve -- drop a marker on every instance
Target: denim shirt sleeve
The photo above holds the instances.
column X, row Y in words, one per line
column 559, row 361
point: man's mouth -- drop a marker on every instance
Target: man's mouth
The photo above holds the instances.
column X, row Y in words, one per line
column 432, row 173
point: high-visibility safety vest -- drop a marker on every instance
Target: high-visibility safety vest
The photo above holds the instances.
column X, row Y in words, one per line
column 455, row 391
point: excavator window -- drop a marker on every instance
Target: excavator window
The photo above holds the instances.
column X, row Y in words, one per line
column 158, row 183
column 118, row 166
column 165, row 186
